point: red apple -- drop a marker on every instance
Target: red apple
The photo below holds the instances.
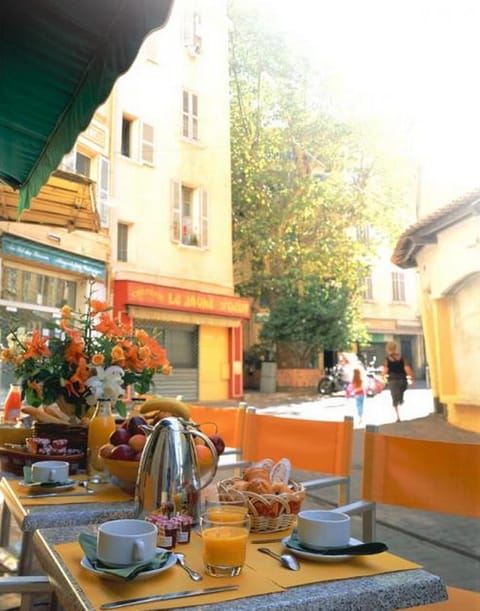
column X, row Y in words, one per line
column 218, row 443
column 134, row 423
column 123, row 452
column 119, row 436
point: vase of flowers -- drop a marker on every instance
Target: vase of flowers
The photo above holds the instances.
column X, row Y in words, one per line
column 87, row 356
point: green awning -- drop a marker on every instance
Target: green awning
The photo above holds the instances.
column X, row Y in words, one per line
column 59, row 60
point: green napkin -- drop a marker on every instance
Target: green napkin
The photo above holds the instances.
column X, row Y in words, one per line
column 89, row 545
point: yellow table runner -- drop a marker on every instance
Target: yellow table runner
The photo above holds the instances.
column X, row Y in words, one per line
column 104, row 493
column 261, row 575
column 312, row 571
column 98, row 590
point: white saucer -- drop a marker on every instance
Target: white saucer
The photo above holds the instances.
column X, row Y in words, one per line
column 318, row 556
column 85, row 562
column 70, row 483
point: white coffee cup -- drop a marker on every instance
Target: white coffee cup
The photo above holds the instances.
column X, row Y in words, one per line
column 50, row 471
column 126, row 542
column 319, row 528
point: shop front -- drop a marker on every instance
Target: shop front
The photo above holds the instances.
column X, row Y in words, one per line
column 201, row 332
column 35, row 281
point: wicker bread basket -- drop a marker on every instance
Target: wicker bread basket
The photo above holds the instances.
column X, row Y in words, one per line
column 268, row 512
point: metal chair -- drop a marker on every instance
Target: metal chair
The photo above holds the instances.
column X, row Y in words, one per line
column 29, row 587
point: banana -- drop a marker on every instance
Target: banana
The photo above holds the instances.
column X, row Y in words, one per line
column 39, row 414
column 166, row 404
column 56, row 412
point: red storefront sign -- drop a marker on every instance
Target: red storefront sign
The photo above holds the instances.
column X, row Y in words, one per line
column 168, row 298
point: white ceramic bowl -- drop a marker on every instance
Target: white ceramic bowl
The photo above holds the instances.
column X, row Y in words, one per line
column 318, row 528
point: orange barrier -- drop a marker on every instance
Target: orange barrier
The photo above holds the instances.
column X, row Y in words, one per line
column 311, row 445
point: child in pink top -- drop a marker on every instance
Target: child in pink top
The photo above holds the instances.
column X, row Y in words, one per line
column 356, row 389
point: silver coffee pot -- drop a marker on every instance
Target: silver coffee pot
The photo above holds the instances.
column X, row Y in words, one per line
column 169, row 478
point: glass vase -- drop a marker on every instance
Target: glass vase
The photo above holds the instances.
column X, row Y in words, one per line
column 100, row 427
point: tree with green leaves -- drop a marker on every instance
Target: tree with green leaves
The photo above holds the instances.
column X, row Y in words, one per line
column 311, row 202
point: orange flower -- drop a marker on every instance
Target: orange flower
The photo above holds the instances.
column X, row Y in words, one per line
column 97, row 306
column 117, row 354
column 66, row 312
column 75, row 349
column 98, row 359
column 80, row 376
column 107, row 326
column 37, row 346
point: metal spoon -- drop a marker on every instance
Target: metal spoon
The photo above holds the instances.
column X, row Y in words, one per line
column 287, row 560
column 94, row 479
column 191, row 573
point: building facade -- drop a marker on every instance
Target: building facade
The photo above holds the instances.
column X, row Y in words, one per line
column 443, row 246
column 158, row 153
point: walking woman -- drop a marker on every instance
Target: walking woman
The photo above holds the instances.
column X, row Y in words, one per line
column 396, row 369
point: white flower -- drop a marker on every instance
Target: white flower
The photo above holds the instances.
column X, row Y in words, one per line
column 107, row 383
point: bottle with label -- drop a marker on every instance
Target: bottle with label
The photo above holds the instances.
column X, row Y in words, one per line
column 100, row 427
column 13, row 403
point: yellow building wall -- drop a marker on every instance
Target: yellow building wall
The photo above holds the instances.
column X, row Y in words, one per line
column 214, row 371
column 451, row 319
column 151, row 92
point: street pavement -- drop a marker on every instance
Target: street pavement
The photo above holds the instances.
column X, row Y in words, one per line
column 446, row 545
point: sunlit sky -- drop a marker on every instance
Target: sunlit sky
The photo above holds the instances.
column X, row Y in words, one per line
column 409, row 58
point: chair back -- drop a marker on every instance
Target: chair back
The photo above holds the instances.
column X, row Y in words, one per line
column 311, row 445
column 422, row 474
column 228, row 422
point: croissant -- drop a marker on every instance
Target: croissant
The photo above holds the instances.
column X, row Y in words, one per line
column 255, row 472
column 280, row 487
column 259, row 486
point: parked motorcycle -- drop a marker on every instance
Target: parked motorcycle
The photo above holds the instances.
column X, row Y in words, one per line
column 333, row 381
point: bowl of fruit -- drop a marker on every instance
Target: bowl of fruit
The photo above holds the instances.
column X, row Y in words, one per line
column 121, row 455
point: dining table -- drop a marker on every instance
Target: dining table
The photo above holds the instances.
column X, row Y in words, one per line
column 381, row 581
column 76, row 505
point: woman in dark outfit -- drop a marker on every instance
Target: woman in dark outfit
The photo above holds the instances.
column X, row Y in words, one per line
column 396, row 369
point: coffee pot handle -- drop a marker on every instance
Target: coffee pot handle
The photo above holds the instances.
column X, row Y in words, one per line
column 207, row 477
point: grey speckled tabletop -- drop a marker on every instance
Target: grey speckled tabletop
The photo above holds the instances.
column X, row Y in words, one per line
column 45, row 516
column 386, row 591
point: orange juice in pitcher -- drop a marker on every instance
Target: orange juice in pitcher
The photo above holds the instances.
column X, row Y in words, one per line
column 100, row 427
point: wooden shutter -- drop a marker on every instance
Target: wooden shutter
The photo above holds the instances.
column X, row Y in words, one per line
column 176, row 206
column 203, row 219
column 103, row 190
column 147, row 144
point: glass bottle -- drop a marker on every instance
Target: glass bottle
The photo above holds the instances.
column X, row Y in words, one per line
column 100, row 427
column 13, row 403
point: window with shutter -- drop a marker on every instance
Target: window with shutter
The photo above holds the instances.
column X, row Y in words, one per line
column 103, row 190
column 176, row 221
column 147, row 144
column 204, row 220
column 398, row 287
column 122, row 242
column 189, row 115
column 189, row 215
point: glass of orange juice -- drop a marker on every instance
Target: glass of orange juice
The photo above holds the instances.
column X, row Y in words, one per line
column 225, row 507
column 224, row 545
